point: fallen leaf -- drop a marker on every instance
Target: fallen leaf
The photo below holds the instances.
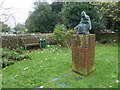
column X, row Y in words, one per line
column 16, row 75
column 117, row 81
column 25, row 68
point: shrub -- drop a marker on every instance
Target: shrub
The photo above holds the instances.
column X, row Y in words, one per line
column 5, row 62
column 20, row 50
column 60, row 27
column 108, row 41
column 62, row 35
column 10, row 56
column 97, row 26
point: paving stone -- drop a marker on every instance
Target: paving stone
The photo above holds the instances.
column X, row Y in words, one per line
column 67, row 74
column 54, row 79
column 78, row 78
column 63, row 84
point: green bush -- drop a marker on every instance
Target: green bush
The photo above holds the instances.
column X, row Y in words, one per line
column 59, row 32
column 5, row 62
column 97, row 26
column 62, row 35
column 60, row 27
column 20, row 50
column 10, row 56
column 108, row 41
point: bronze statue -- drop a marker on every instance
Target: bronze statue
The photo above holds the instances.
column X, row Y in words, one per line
column 85, row 24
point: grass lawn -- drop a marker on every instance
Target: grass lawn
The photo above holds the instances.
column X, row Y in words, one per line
column 56, row 62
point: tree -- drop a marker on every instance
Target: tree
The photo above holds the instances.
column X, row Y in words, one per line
column 5, row 27
column 5, row 13
column 20, row 27
column 110, row 14
column 56, row 10
column 72, row 14
column 41, row 20
column 57, row 6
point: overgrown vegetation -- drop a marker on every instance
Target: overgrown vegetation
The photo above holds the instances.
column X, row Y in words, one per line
column 10, row 56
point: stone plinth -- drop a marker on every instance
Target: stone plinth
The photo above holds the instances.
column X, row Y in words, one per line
column 83, row 52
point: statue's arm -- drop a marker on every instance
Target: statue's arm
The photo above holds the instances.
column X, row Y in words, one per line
column 76, row 27
column 90, row 23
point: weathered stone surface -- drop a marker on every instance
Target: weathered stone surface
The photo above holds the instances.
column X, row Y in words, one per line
column 85, row 24
column 78, row 78
column 54, row 79
column 63, row 84
column 67, row 74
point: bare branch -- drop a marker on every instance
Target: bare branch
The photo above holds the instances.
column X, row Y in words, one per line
column 11, row 16
column 7, row 18
column 2, row 3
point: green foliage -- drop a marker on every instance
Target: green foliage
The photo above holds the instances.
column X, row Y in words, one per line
column 60, row 27
column 5, row 62
column 109, row 12
column 41, row 19
column 56, row 10
column 10, row 56
column 108, row 41
column 20, row 50
column 20, row 27
column 59, row 32
column 62, row 35
column 72, row 14
column 57, row 6
column 102, row 14
column 5, row 27
column 97, row 26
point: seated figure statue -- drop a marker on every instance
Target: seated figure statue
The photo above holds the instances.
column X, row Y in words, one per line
column 85, row 24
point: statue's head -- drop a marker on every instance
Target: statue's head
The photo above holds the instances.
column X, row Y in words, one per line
column 83, row 13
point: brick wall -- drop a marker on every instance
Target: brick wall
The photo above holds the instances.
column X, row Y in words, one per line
column 83, row 51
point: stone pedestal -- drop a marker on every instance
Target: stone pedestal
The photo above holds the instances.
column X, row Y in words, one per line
column 83, row 52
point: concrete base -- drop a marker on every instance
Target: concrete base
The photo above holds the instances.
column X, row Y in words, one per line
column 84, row 72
